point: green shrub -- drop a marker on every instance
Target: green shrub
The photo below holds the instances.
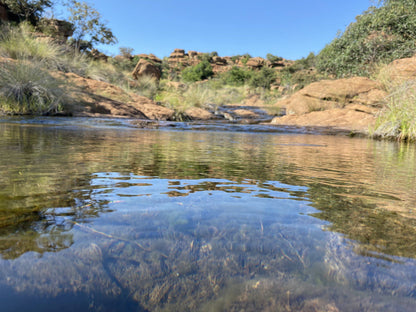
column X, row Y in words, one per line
column 26, row 88
column 379, row 35
column 301, row 73
column 236, row 76
column 263, row 78
column 273, row 58
column 198, row 72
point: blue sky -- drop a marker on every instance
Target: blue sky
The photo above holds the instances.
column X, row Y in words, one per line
column 290, row 29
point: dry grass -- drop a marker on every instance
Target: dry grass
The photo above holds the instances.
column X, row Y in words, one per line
column 26, row 88
column 398, row 118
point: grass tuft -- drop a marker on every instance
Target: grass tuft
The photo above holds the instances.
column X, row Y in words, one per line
column 25, row 88
column 398, row 119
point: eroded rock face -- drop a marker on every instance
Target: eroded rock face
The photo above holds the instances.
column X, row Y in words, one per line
column 96, row 98
column 150, row 57
column 402, row 69
column 351, row 104
column 177, row 54
column 57, row 28
column 327, row 94
column 348, row 118
column 146, row 68
column 256, row 63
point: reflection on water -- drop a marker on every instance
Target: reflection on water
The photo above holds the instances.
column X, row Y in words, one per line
column 118, row 218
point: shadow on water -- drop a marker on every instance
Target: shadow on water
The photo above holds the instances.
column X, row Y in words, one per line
column 210, row 221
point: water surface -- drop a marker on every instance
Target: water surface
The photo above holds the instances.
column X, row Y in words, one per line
column 97, row 215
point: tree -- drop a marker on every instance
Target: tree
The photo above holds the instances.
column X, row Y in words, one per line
column 89, row 29
column 27, row 10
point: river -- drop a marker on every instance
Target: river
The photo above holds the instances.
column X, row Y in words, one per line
column 97, row 215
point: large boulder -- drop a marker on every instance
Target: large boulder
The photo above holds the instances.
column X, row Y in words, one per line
column 59, row 29
column 327, row 94
column 401, row 70
column 98, row 98
column 146, row 68
column 218, row 60
column 150, row 57
column 197, row 113
column 351, row 119
column 256, row 62
column 177, row 54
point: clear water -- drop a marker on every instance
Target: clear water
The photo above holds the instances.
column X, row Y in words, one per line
column 98, row 216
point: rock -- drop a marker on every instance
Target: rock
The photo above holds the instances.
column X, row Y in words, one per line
column 96, row 98
column 219, row 60
column 146, row 68
column 194, row 54
column 59, row 29
column 337, row 118
column 150, row 109
column 150, row 57
column 245, row 113
column 328, row 94
column 98, row 56
column 401, row 70
column 154, row 58
column 197, row 113
column 177, row 54
column 255, row 62
column 348, row 104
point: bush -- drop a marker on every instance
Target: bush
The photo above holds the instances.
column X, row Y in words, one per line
column 273, row 58
column 236, row 76
column 301, row 73
column 263, row 78
column 379, row 35
column 198, row 72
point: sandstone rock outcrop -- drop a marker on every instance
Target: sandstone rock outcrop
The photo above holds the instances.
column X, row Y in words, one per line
column 256, row 63
column 401, row 69
column 99, row 56
column 58, row 29
column 197, row 113
column 327, row 94
column 146, row 68
column 150, row 57
column 97, row 98
column 350, row 104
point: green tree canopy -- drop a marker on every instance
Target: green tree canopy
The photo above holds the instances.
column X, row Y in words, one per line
column 88, row 25
column 27, row 10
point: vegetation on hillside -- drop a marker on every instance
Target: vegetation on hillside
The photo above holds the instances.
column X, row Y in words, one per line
column 380, row 35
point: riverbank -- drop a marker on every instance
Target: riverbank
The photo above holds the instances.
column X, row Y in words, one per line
column 53, row 85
